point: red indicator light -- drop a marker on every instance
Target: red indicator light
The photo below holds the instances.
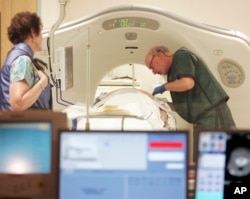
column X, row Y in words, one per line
column 166, row 145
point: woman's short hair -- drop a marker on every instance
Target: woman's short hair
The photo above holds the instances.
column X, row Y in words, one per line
column 21, row 26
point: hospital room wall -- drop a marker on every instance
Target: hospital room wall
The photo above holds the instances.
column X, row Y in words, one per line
column 221, row 13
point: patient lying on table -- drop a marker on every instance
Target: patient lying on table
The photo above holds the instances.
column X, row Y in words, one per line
column 133, row 108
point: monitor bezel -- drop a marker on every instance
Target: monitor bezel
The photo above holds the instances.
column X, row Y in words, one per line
column 46, row 183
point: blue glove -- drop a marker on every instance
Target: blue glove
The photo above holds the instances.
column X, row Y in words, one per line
column 159, row 89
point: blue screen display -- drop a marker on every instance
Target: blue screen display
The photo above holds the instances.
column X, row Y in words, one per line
column 109, row 165
column 25, row 147
column 223, row 170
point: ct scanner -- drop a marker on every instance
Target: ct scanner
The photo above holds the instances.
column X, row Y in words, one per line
column 96, row 44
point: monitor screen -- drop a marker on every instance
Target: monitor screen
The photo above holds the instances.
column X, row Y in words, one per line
column 28, row 153
column 223, row 165
column 124, row 165
column 25, row 147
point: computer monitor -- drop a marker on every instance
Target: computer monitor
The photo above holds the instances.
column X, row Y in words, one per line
column 28, row 153
column 124, row 165
column 223, row 165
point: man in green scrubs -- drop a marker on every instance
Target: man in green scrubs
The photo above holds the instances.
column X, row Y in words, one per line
column 196, row 94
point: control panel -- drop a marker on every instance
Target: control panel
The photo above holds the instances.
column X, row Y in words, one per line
column 231, row 73
column 19, row 186
column 128, row 22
